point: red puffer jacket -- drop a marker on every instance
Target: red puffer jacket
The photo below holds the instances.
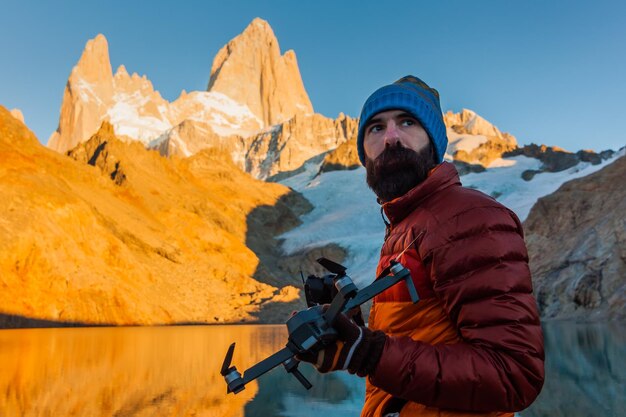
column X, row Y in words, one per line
column 473, row 342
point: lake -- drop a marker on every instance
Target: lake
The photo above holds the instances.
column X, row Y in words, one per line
column 174, row 371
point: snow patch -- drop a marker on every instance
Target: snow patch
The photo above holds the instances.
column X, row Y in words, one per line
column 345, row 212
column 126, row 120
column 507, row 186
column 501, row 163
column 86, row 91
column 464, row 142
column 212, row 101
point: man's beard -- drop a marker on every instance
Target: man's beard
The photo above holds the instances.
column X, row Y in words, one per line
column 397, row 170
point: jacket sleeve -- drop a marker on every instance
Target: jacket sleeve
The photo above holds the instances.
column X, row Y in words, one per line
column 479, row 270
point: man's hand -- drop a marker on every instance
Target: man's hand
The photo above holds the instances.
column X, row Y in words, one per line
column 357, row 349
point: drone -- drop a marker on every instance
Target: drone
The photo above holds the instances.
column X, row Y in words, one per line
column 311, row 330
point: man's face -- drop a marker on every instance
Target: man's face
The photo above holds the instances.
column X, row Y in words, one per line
column 398, row 153
column 391, row 127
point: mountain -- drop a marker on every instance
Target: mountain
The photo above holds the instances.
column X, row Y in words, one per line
column 256, row 108
column 265, row 123
column 93, row 94
column 117, row 234
column 251, row 71
column 132, row 105
column 577, row 245
column 473, row 140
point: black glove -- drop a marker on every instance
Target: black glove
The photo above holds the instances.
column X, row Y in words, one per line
column 357, row 349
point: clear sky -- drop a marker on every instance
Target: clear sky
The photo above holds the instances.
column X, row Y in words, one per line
column 550, row 72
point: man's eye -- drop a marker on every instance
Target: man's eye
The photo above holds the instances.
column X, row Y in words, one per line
column 408, row 122
column 375, row 129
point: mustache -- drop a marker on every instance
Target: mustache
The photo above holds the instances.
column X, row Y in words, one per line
column 395, row 157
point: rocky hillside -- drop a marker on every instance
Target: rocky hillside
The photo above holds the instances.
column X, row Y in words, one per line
column 117, row 234
column 577, row 245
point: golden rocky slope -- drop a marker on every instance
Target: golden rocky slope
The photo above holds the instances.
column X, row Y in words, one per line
column 134, row 239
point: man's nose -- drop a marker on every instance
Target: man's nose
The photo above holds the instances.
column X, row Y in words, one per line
column 392, row 134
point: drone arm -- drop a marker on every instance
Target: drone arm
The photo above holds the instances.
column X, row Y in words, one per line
column 267, row 364
column 336, row 307
column 371, row 291
column 381, row 285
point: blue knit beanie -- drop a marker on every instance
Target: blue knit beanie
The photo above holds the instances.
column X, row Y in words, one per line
column 413, row 96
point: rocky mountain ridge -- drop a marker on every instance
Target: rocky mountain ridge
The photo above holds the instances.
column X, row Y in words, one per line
column 555, row 159
column 273, row 88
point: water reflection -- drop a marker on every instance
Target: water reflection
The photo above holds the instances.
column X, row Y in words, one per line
column 158, row 371
column 174, row 371
column 585, row 371
column 334, row 394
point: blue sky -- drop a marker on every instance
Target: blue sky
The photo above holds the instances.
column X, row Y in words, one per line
column 550, row 72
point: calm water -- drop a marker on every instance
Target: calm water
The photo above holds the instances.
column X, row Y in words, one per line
column 174, row 371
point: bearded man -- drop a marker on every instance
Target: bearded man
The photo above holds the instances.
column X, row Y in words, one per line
column 473, row 343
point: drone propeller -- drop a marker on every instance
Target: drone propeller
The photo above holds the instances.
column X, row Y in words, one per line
column 227, row 360
column 331, row 266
